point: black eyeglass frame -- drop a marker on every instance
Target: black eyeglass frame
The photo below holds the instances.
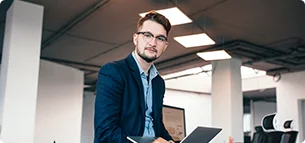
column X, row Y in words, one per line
column 146, row 32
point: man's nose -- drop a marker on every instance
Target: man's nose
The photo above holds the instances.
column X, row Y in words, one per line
column 153, row 42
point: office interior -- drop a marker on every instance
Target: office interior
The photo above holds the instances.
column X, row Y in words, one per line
column 51, row 52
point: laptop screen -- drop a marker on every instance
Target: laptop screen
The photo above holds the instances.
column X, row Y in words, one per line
column 202, row 135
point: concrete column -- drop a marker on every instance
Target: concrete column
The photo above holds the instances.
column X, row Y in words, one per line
column 289, row 94
column 19, row 72
column 227, row 101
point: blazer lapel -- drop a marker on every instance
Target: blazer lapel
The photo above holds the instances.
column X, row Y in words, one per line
column 137, row 77
column 138, row 80
column 155, row 93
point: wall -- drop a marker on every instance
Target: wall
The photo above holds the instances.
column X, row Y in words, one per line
column 196, row 83
column 260, row 109
column 202, row 83
column 302, row 119
column 197, row 107
column 59, row 104
column 87, row 135
column 256, row 83
column 290, row 89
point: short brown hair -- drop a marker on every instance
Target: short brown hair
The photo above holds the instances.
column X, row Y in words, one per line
column 157, row 17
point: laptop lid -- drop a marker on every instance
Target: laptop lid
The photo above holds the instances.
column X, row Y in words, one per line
column 201, row 135
column 138, row 139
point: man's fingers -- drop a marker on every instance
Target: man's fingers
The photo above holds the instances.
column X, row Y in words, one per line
column 160, row 140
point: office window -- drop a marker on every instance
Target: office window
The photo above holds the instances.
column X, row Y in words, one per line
column 247, row 122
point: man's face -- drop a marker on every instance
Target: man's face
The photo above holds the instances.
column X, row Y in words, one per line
column 150, row 41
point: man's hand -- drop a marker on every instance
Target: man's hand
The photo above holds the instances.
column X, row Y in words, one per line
column 160, row 140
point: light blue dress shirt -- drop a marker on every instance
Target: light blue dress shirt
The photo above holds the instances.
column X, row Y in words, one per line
column 147, row 86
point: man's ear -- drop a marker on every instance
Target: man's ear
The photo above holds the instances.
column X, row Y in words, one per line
column 165, row 46
column 135, row 39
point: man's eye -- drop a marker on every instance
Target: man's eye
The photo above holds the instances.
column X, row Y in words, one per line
column 161, row 39
column 147, row 35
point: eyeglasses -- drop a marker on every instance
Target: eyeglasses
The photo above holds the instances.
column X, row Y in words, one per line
column 147, row 36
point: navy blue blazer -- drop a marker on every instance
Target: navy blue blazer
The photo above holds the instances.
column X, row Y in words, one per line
column 120, row 106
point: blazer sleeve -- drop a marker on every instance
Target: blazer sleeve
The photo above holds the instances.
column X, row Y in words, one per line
column 108, row 102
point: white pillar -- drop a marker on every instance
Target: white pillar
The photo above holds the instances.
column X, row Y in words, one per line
column 289, row 94
column 227, row 101
column 19, row 72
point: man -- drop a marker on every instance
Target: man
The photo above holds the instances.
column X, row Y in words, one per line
column 130, row 91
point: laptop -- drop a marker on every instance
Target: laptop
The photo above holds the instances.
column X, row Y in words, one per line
column 199, row 135
column 138, row 139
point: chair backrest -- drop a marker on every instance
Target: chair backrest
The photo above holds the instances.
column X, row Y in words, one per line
column 259, row 136
column 272, row 135
column 289, row 136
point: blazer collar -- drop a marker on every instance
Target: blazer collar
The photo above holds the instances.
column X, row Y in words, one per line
column 136, row 75
column 132, row 63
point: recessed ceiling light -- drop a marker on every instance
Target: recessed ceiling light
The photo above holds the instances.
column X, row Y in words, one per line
column 194, row 40
column 174, row 15
column 214, row 55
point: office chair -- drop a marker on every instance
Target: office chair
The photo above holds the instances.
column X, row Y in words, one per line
column 259, row 136
column 269, row 124
column 289, row 136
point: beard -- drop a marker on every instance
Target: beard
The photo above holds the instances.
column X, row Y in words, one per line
column 145, row 57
